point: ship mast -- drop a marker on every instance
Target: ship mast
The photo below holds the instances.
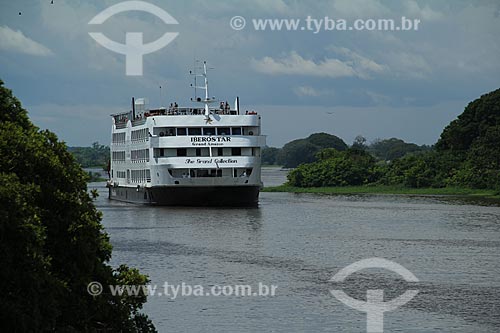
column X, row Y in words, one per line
column 207, row 99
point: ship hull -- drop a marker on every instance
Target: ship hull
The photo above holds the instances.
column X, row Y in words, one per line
column 199, row 196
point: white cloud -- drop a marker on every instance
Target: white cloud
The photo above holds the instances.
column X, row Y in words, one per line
column 408, row 64
column 294, row 64
column 424, row 12
column 363, row 65
column 306, row 91
column 359, row 9
column 16, row 41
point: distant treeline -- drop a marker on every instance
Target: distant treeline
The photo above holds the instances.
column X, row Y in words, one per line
column 305, row 150
column 466, row 155
column 95, row 156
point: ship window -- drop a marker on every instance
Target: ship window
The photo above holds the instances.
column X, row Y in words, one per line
column 208, row 131
column 236, row 130
column 236, row 151
column 215, row 173
column 198, row 151
column 170, row 131
column 181, row 131
column 181, row 152
column 194, row 131
column 223, row 131
column 220, row 152
column 249, row 171
column 202, row 173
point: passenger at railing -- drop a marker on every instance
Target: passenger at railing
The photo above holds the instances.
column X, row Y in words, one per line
column 221, row 106
column 246, row 112
column 227, row 107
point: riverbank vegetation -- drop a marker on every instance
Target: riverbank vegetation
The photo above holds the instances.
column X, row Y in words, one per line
column 95, row 156
column 466, row 159
column 52, row 240
column 385, row 189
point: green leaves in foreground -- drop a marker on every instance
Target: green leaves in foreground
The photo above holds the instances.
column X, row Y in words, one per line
column 52, row 243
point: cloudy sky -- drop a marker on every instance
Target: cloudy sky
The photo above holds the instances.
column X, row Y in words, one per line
column 380, row 84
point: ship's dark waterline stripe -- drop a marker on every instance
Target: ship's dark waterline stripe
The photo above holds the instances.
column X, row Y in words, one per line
column 230, row 196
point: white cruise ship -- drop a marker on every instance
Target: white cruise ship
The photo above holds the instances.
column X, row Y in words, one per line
column 204, row 155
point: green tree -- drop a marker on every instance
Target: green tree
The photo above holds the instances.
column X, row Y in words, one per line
column 473, row 123
column 96, row 155
column 359, row 142
column 270, row 155
column 52, row 242
column 474, row 136
column 304, row 150
column 391, row 149
column 427, row 169
column 336, row 168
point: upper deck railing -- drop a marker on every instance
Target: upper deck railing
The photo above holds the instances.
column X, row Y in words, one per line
column 121, row 119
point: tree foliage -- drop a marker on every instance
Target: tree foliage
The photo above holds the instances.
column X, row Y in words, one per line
column 475, row 136
column 336, row 168
column 304, row 150
column 466, row 155
column 472, row 125
column 270, row 155
column 96, row 155
column 393, row 148
column 52, row 242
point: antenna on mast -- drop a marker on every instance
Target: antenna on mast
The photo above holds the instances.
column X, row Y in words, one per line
column 207, row 100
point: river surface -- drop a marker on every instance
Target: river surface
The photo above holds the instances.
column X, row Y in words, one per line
column 297, row 242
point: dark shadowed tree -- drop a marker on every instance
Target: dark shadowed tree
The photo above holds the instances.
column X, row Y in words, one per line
column 52, row 243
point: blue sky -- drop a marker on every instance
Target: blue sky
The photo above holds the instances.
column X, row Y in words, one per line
column 380, row 84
